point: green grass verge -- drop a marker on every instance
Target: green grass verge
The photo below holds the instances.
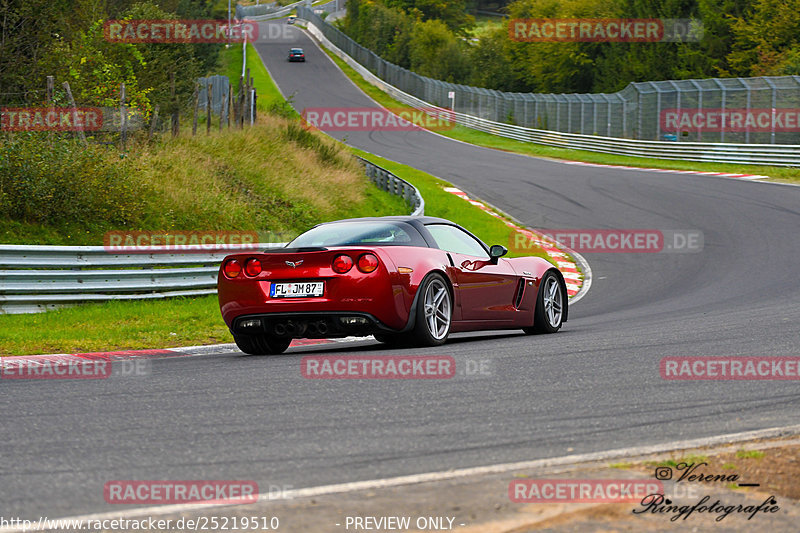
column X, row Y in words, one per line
column 274, row 176
column 116, row 325
column 461, row 133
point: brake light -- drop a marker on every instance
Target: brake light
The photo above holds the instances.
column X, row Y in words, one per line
column 367, row 263
column 342, row 263
column 232, row 268
column 253, row 267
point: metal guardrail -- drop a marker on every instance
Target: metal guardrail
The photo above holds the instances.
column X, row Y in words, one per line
column 397, row 186
column 37, row 278
column 757, row 154
column 265, row 12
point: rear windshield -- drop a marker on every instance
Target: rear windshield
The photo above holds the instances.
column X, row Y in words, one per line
column 360, row 233
column 297, row 50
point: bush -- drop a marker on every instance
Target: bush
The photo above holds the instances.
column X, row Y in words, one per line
column 57, row 180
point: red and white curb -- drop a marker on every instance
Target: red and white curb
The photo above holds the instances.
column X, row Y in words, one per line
column 127, row 355
column 553, row 249
column 669, row 171
column 67, row 358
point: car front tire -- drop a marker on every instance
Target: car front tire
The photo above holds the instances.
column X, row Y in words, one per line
column 551, row 301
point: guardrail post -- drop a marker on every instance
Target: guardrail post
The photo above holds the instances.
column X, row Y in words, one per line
column 658, row 113
column 640, row 116
column 747, row 123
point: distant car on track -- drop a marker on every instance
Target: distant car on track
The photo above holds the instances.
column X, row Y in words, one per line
column 297, row 54
column 402, row 279
column 291, row 19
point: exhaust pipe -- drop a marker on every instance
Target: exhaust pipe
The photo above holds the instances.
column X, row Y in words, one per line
column 322, row 327
column 312, row 327
column 280, row 329
column 290, row 328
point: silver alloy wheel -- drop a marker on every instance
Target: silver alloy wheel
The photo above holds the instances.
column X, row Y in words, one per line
column 553, row 301
column 437, row 309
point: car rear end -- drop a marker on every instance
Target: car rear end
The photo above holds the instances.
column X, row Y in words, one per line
column 311, row 293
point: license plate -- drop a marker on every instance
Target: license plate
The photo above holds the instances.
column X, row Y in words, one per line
column 297, row 289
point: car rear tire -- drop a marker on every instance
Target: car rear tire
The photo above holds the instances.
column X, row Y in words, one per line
column 548, row 316
column 434, row 312
column 261, row 344
column 387, row 338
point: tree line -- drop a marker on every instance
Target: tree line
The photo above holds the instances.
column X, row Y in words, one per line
column 437, row 39
column 64, row 39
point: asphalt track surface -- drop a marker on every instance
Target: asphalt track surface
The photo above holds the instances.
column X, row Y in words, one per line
column 594, row 386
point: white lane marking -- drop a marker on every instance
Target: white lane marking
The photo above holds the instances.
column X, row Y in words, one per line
column 428, row 477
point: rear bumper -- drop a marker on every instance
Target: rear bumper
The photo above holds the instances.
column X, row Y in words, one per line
column 310, row 324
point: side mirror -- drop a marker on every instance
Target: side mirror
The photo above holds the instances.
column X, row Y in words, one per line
column 496, row 251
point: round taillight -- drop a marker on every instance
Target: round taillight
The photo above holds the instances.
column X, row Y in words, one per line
column 232, row 268
column 367, row 263
column 342, row 263
column 252, row 268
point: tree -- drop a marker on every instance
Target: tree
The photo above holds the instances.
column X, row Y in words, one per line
column 453, row 13
column 767, row 39
column 435, row 52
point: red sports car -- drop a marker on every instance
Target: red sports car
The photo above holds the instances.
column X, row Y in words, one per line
column 402, row 279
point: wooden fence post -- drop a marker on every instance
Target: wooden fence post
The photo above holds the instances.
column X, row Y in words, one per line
column 231, row 110
column 50, row 88
column 122, row 116
column 78, row 131
column 223, row 100
column 50, row 104
column 209, row 100
column 196, row 105
column 247, row 96
column 176, row 126
column 240, row 103
column 255, row 105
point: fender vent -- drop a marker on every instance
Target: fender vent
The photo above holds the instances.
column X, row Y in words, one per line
column 520, row 293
